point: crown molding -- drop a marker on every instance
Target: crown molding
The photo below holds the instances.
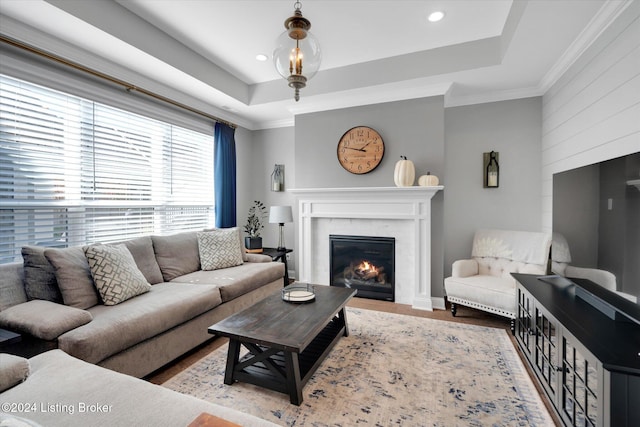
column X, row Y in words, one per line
column 371, row 95
column 274, row 124
column 600, row 22
column 483, row 98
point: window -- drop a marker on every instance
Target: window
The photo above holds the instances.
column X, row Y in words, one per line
column 73, row 172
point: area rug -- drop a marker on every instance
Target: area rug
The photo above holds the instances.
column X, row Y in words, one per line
column 392, row 370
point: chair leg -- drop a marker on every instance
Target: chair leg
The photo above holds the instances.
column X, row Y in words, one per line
column 454, row 309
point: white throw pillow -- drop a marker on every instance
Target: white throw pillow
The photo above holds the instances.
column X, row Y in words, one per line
column 219, row 248
column 115, row 273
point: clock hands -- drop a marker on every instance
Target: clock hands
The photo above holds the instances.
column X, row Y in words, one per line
column 361, row 148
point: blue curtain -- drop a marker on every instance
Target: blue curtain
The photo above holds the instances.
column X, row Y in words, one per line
column 224, row 167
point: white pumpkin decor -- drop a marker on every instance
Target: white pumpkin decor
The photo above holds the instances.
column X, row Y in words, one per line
column 428, row 180
column 405, row 173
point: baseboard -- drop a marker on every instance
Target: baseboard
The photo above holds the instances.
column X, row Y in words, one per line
column 428, row 303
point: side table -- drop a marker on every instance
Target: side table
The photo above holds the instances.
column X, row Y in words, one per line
column 8, row 337
column 279, row 255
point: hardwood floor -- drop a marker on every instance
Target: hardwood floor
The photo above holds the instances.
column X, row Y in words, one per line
column 464, row 315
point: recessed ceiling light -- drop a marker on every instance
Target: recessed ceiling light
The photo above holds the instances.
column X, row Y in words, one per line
column 436, row 16
column 262, row 57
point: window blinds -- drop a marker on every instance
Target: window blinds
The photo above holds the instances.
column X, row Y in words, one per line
column 73, row 171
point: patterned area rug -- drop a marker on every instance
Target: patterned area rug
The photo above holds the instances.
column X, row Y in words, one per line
column 392, row 370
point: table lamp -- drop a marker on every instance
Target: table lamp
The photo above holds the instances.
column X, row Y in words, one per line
column 280, row 215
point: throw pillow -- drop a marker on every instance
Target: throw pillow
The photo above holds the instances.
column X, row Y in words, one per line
column 219, row 248
column 115, row 273
column 141, row 249
column 245, row 255
column 176, row 254
column 39, row 275
column 73, row 276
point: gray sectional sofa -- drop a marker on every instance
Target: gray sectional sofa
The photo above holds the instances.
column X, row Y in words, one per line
column 51, row 296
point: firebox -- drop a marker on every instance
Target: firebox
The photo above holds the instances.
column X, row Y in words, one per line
column 364, row 263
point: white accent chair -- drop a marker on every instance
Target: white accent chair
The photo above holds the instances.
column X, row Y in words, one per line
column 485, row 282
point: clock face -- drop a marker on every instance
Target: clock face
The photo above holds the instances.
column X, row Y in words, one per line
column 360, row 150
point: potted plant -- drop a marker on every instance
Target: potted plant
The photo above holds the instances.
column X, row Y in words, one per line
column 257, row 214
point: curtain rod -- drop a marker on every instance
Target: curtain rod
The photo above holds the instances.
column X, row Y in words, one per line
column 128, row 86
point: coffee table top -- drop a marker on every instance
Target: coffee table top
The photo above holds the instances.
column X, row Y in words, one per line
column 288, row 326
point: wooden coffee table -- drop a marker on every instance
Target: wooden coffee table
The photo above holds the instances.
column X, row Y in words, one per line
column 287, row 342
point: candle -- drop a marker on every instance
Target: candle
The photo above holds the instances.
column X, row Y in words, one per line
column 493, row 179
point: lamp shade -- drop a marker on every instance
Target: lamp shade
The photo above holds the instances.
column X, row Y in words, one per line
column 280, row 214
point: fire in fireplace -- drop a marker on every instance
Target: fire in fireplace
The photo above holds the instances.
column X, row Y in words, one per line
column 363, row 263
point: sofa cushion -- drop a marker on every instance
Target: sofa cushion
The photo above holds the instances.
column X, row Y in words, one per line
column 219, row 248
column 177, row 254
column 115, row 273
column 236, row 281
column 43, row 319
column 118, row 327
column 141, row 249
column 13, row 370
column 73, row 276
column 39, row 275
column 503, row 267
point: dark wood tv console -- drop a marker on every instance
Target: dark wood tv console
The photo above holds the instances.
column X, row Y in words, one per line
column 587, row 362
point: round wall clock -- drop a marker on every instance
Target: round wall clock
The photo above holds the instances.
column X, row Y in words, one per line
column 360, row 150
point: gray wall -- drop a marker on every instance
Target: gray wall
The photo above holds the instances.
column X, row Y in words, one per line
column 413, row 128
column 257, row 152
column 513, row 128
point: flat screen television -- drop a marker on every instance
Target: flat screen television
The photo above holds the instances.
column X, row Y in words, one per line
column 596, row 208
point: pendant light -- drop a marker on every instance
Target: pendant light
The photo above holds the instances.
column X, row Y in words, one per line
column 297, row 54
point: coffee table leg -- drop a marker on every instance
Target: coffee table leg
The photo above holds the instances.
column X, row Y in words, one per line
column 294, row 385
column 342, row 316
column 232, row 360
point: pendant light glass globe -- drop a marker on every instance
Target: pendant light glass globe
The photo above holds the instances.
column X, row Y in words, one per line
column 285, row 55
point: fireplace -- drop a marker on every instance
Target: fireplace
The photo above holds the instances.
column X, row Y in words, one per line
column 363, row 263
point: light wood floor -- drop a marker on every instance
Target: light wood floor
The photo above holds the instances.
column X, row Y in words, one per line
column 464, row 315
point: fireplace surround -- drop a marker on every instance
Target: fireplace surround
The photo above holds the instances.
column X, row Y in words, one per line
column 403, row 213
column 365, row 263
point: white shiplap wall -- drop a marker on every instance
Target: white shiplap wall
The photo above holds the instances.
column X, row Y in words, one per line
column 592, row 113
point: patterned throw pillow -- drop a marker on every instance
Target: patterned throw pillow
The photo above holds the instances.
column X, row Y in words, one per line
column 115, row 273
column 219, row 248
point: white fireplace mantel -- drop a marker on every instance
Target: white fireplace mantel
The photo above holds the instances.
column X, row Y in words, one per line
column 400, row 212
